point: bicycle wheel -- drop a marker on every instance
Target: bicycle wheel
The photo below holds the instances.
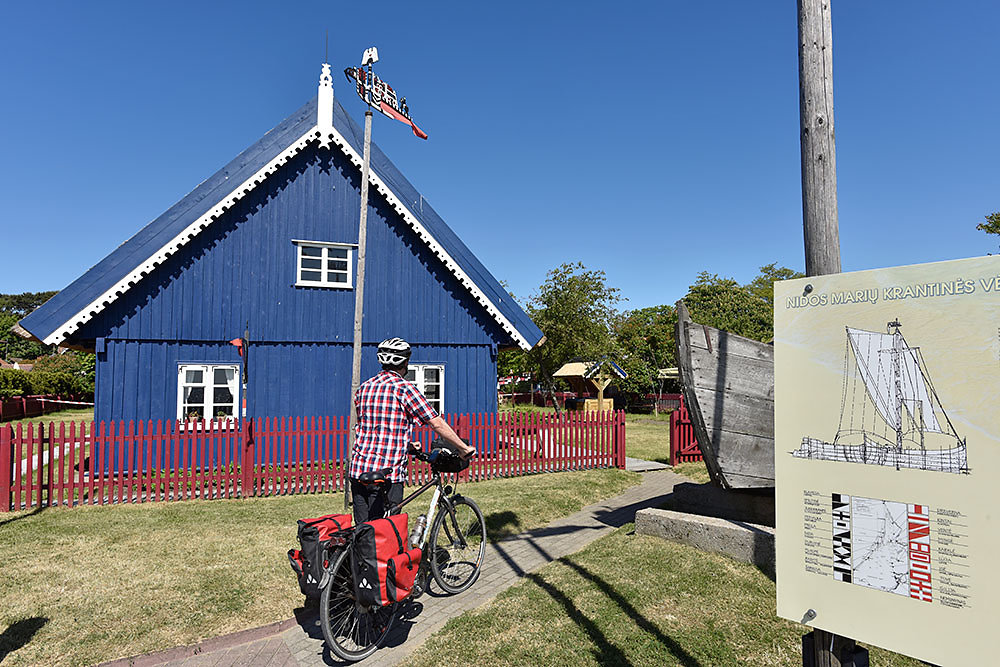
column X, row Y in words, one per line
column 352, row 632
column 457, row 545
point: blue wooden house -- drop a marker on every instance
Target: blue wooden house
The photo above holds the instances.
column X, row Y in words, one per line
column 268, row 244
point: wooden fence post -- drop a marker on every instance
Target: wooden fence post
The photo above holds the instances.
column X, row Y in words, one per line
column 619, row 435
column 673, row 437
column 247, row 458
column 6, row 459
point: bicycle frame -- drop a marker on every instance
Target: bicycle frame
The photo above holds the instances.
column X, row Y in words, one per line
column 437, row 498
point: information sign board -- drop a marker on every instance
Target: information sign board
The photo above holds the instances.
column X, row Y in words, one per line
column 887, row 456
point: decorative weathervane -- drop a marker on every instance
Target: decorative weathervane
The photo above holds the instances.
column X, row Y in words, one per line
column 375, row 92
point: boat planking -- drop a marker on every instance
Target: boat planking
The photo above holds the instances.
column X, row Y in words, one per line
column 729, row 388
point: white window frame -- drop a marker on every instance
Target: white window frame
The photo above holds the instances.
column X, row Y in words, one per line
column 420, row 380
column 208, row 384
column 325, row 258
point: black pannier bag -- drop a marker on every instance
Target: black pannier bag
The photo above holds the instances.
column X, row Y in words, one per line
column 308, row 585
column 315, row 536
column 383, row 568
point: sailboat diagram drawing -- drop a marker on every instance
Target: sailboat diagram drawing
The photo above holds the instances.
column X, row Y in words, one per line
column 890, row 414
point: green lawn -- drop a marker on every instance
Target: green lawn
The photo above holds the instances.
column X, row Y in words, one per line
column 695, row 471
column 629, row 600
column 647, row 438
column 56, row 418
column 89, row 584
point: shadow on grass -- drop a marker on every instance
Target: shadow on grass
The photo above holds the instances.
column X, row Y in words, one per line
column 644, row 623
column 34, row 512
column 501, row 524
column 606, row 653
column 19, row 633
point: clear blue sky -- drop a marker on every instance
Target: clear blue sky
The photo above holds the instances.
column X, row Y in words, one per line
column 651, row 140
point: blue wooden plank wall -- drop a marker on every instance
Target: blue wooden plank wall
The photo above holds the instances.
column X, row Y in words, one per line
column 138, row 379
column 242, row 269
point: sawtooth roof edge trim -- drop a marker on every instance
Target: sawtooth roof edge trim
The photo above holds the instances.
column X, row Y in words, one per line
column 323, row 136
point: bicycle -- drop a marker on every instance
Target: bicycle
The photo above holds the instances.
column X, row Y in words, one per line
column 453, row 546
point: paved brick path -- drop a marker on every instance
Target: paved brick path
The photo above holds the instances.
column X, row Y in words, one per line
column 506, row 562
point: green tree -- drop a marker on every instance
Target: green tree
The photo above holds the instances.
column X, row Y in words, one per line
column 23, row 303
column 13, row 346
column 763, row 285
column 745, row 310
column 574, row 308
column 12, row 308
column 644, row 340
column 991, row 225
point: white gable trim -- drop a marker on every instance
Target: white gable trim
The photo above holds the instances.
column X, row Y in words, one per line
column 426, row 237
column 191, row 231
column 324, row 136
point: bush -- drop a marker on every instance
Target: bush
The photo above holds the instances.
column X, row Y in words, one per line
column 13, row 383
column 40, row 383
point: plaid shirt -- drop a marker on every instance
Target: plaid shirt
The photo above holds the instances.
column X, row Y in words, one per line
column 387, row 407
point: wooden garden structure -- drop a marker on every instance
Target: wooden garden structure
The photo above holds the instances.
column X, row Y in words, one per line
column 587, row 377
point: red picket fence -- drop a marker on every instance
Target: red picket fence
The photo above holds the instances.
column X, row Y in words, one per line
column 20, row 407
column 683, row 444
column 88, row 463
column 663, row 402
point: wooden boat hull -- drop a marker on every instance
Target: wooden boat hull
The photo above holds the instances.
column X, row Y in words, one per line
column 729, row 389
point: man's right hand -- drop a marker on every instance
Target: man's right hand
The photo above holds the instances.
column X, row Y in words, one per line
column 448, row 434
column 466, row 451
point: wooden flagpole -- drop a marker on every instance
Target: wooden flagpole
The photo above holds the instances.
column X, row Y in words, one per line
column 820, row 228
column 819, row 160
column 359, row 301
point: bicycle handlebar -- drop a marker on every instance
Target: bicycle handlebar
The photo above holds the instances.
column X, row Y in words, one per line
column 431, row 456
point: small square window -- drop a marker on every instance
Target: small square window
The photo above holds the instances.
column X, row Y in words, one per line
column 321, row 264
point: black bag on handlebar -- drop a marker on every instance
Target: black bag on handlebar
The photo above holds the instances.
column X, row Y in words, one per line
column 445, row 458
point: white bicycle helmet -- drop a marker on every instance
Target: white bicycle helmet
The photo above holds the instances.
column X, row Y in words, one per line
column 393, row 352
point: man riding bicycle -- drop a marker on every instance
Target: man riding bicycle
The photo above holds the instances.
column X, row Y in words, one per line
column 387, row 406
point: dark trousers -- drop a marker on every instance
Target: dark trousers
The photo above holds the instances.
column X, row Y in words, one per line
column 372, row 500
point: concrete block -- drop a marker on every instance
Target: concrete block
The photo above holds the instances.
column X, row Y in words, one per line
column 747, row 542
column 751, row 505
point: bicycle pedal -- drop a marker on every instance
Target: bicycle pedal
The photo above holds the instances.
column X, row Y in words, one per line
column 419, row 585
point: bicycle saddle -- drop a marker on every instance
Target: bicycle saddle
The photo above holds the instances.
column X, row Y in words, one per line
column 374, row 476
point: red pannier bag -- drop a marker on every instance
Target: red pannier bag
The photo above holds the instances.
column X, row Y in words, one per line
column 383, row 568
column 315, row 536
column 401, row 572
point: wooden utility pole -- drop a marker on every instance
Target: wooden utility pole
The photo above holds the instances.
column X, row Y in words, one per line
column 819, row 159
column 820, row 228
column 359, row 301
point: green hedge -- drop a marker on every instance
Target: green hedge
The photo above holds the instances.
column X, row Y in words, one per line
column 28, row 383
